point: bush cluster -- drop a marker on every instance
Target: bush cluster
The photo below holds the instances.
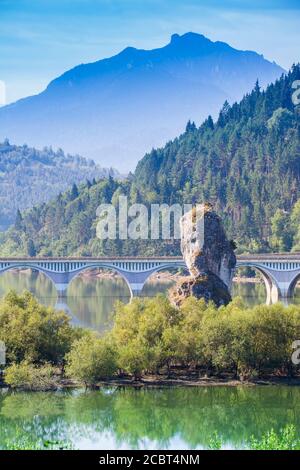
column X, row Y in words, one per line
column 36, row 338
column 149, row 336
column 26, row 376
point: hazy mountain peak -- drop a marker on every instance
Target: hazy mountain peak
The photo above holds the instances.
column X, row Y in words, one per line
column 190, row 39
column 116, row 109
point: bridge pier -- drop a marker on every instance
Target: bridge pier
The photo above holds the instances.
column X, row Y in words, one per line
column 136, row 289
column 285, row 291
column 284, row 285
column 61, row 289
column 280, row 275
column 271, row 290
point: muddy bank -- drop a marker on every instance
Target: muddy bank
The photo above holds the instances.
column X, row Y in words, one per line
column 197, row 382
column 161, row 381
column 246, row 280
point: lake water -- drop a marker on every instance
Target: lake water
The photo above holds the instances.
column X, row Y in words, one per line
column 165, row 418
column 90, row 300
column 169, row 418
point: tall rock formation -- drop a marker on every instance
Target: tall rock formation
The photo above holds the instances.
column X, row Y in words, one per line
column 209, row 257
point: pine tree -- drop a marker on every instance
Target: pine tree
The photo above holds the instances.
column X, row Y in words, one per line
column 190, row 127
column 74, row 192
column 19, row 221
column 31, row 251
column 223, row 114
column 209, row 123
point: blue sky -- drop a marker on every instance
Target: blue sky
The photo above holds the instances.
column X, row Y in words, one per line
column 40, row 39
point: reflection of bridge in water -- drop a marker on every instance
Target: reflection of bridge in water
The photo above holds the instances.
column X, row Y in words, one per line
column 280, row 272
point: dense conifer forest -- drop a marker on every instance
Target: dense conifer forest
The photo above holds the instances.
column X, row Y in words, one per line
column 29, row 176
column 247, row 164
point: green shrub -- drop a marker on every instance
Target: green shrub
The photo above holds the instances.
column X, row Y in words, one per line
column 139, row 333
column 91, row 359
column 26, row 376
column 34, row 332
column 286, row 439
column 150, row 334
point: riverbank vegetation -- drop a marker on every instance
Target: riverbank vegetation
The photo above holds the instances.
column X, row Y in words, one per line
column 149, row 338
column 286, row 439
column 36, row 340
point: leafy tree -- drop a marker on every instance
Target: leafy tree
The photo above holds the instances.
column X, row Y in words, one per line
column 91, row 359
column 281, row 231
column 33, row 332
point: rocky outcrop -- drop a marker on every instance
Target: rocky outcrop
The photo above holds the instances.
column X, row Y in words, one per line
column 209, row 257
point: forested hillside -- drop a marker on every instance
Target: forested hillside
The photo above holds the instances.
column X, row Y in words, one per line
column 247, row 164
column 29, row 177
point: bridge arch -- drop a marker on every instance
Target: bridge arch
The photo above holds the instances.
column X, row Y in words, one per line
column 28, row 266
column 292, row 285
column 271, row 285
column 163, row 267
column 100, row 265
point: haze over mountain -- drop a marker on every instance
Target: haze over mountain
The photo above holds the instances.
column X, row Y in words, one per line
column 116, row 109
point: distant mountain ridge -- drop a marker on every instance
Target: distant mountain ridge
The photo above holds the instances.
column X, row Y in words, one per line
column 116, row 109
column 29, row 176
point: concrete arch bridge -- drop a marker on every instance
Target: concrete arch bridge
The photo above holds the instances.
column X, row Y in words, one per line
column 279, row 271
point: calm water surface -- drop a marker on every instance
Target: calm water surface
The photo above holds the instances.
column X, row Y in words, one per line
column 170, row 418
column 90, row 300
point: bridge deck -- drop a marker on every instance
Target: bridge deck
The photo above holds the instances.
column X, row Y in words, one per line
column 250, row 257
column 270, row 256
column 103, row 258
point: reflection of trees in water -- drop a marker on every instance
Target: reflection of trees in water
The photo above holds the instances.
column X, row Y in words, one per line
column 30, row 280
column 192, row 415
column 251, row 293
column 152, row 288
column 92, row 299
